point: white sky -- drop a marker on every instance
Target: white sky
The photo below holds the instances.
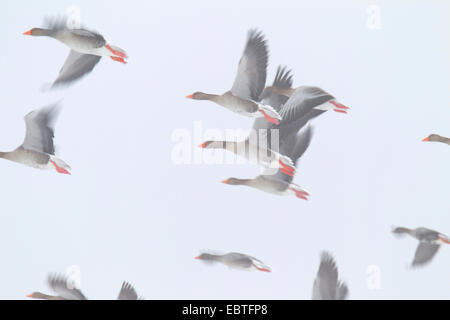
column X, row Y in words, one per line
column 129, row 213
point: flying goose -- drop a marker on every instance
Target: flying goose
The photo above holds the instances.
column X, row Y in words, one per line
column 87, row 48
column 235, row 260
column 248, row 84
column 429, row 243
column 37, row 149
column 59, row 284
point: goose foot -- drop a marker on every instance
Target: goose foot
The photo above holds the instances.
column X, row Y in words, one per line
column 118, row 59
column 59, row 169
column 269, row 118
column 339, row 107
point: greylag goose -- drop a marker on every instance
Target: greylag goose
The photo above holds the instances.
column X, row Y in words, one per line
column 326, row 285
column 235, row 261
column 87, row 48
column 437, row 138
column 429, row 243
column 281, row 183
column 37, row 149
column 248, row 84
column 59, row 285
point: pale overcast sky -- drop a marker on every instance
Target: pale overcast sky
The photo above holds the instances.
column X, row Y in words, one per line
column 128, row 212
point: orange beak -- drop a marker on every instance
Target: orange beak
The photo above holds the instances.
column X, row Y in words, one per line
column 30, row 295
column 426, row 139
column 198, row 257
column 28, row 33
column 225, row 181
column 203, row 145
column 191, row 96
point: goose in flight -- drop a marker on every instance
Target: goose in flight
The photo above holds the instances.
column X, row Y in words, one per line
column 235, row 260
column 326, row 285
column 37, row 149
column 87, row 48
column 429, row 243
column 248, row 84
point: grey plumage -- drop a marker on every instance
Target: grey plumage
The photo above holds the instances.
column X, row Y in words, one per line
column 58, row 29
column 326, row 284
column 85, row 47
column 293, row 147
column 127, row 292
column 252, row 70
column 39, row 129
column 76, row 66
column 59, row 284
column 235, row 260
column 283, row 79
column 424, row 253
column 429, row 243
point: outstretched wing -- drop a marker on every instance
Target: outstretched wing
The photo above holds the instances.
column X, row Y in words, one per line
column 39, row 129
column 252, row 70
column 326, row 286
column 293, row 147
column 283, row 80
column 127, row 292
column 424, row 253
column 76, row 66
column 60, row 285
column 303, row 100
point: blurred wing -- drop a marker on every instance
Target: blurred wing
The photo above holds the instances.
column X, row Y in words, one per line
column 302, row 101
column 61, row 23
column 39, row 129
column 326, row 281
column 76, row 66
column 342, row 291
column 127, row 292
column 294, row 147
column 283, row 80
column 251, row 76
column 59, row 285
column 424, row 253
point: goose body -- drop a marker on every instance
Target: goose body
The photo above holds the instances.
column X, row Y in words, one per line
column 248, row 84
column 37, row 150
column 235, row 260
column 429, row 243
column 256, row 154
column 87, row 48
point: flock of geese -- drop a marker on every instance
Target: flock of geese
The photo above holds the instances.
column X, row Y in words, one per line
column 280, row 136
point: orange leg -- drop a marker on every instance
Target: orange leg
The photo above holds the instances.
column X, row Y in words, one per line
column 269, row 118
column 118, row 59
column 115, row 52
column 59, row 169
